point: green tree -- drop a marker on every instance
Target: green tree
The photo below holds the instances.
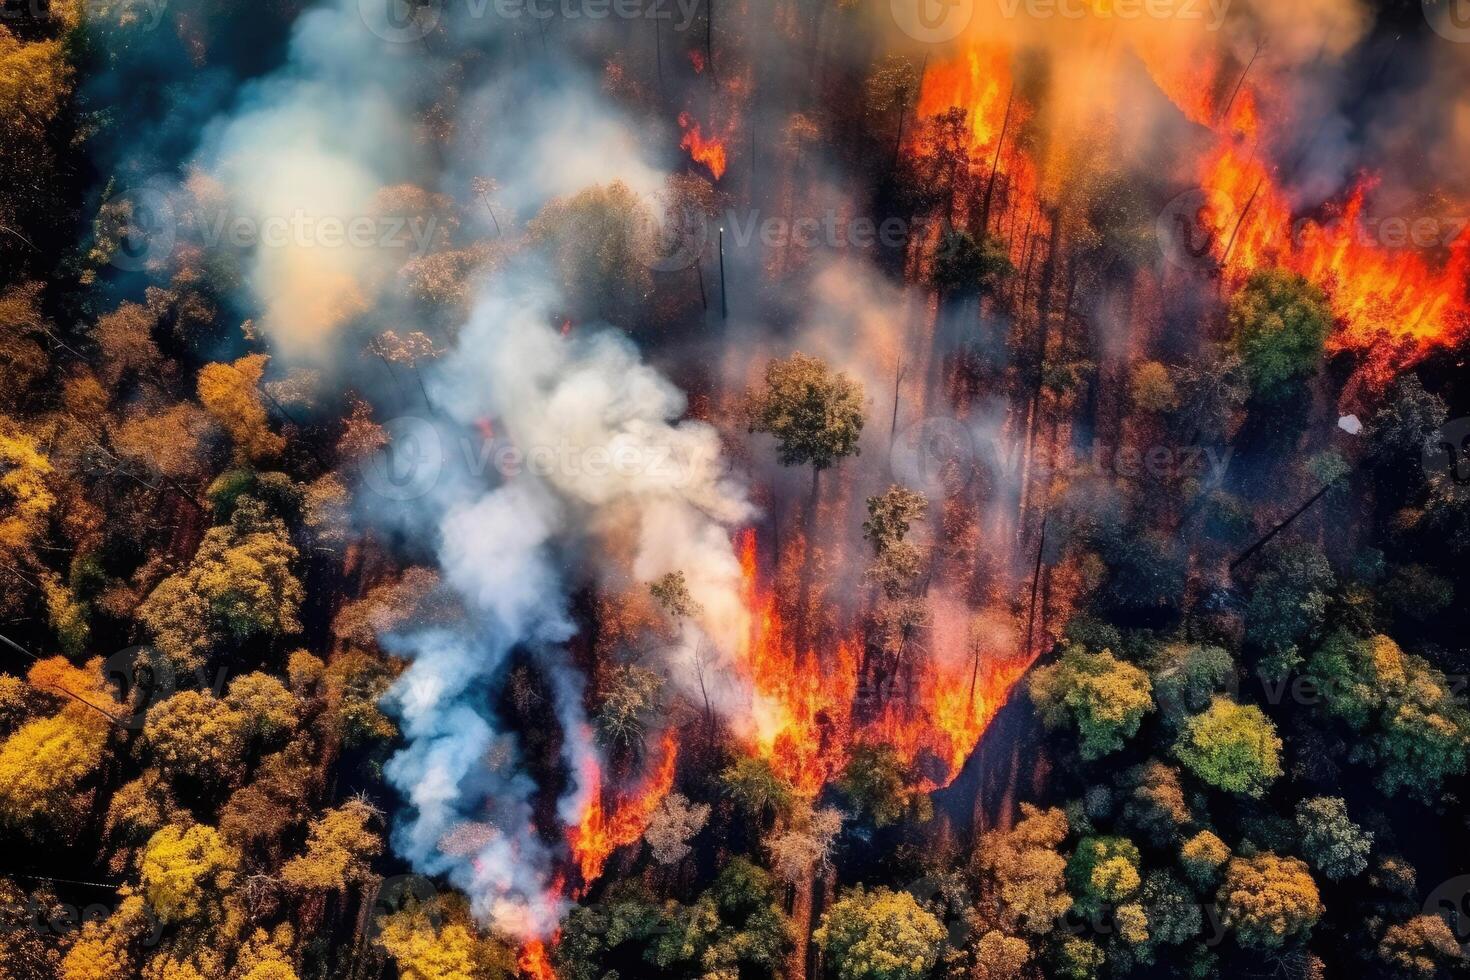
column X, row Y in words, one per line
column 1406, row 720
column 874, row 781
column 815, row 415
column 1331, row 842
column 1231, row 746
column 1279, row 322
column 1287, row 606
column 1104, row 872
column 879, row 935
column 966, row 265
column 756, row 787
column 1202, row 856
column 1268, row 900
column 1103, row 697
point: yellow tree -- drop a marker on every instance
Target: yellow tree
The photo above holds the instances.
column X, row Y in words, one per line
column 231, row 393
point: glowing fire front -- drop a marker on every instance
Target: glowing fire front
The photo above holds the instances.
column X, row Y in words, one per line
column 807, row 703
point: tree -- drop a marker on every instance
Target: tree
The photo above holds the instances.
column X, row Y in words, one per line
column 1287, row 606
column 193, row 733
column 1268, row 900
column 1280, row 322
column 756, row 787
column 879, row 935
column 424, row 950
column 815, row 415
column 890, row 516
column 1000, row 957
column 1103, row 873
column 736, row 928
column 1023, row 872
column 630, row 699
column 1398, row 432
column 965, row 264
column 1186, row 676
column 674, row 822
column 874, row 780
column 238, row 587
column 1331, row 842
column 1231, row 746
column 1404, row 716
column 23, row 335
column 44, row 764
column 1152, row 389
column 1420, row 948
column 185, row 871
column 338, row 850
column 804, row 841
column 1104, row 698
column 671, row 592
column 25, row 495
column 231, row 394
column 125, row 340
column 269, row 710
column 599, row 243
column 1202, row 856
column 1155, row 802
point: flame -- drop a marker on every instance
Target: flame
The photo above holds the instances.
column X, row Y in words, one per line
column 804, row 716
column 600, row 832
column 981, row 82
column 534, row 962
column 709, row 151
column 801, row 700
column 1394, row 304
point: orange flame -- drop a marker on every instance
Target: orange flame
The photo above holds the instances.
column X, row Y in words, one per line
column 599, row 833
column 534, row 962
column 1391, row 302
column 804, row 701
column 709, row 151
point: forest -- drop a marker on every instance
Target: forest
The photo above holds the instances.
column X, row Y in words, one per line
column 734, row 489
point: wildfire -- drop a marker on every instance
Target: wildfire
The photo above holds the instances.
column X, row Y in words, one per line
column 804, row 715
column 1391, row 301
column 599, row 832
column 534, row 962
column 709, row 151
column 981, row 82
